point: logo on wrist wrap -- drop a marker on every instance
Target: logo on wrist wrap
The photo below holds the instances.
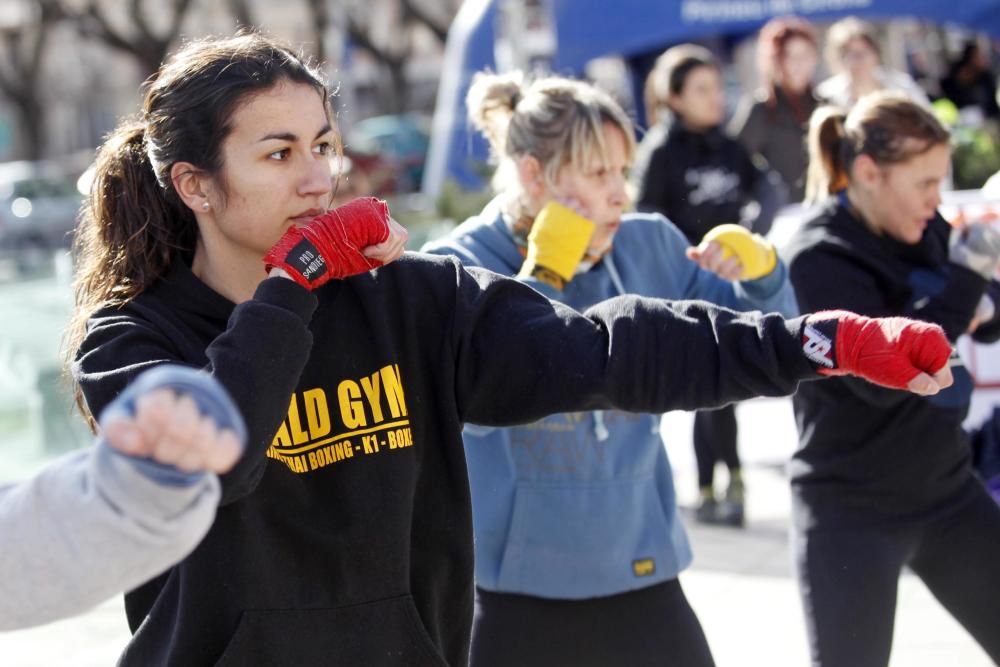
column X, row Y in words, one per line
column 305, row 259
column 818, row 347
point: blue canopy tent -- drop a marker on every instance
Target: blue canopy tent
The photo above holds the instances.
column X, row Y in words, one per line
column 587, row 29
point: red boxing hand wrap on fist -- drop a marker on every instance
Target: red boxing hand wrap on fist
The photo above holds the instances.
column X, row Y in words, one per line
column 888, row 351
column 330, row 245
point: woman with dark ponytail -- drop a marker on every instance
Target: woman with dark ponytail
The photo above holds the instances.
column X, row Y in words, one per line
column 882, row 480
column 689, row 170
column 344, row 534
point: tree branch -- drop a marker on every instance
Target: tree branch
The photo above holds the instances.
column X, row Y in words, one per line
column 138, row 18
column 93, row 23
column 180, row 11
column 241, row 12
column 422, row 17
column 362, row 40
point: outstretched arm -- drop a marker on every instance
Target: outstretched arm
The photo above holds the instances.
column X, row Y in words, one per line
column 104, row 520
column 521, row 357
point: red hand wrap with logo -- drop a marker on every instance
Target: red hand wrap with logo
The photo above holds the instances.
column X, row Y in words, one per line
column 889, row 351
column 330, row 246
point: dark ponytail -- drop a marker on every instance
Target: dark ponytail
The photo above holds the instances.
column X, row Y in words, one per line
column 130, row 229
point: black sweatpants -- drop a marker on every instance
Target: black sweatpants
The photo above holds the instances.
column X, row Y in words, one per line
column 848, row 579
column 715, row 440
column 653, row 626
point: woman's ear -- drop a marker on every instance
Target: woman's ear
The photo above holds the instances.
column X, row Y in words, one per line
column 866, row 172
column 529, row 173
column 191, row 186
column 672, row 103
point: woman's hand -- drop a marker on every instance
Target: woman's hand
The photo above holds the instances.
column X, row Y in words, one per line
column 343, row 242
column 169, row 428
column 710, row 258
column 392, row 248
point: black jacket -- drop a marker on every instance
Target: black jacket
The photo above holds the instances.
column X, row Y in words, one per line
column 775, row 128
column 700, row 180
column 865, row 449
column 345, row 533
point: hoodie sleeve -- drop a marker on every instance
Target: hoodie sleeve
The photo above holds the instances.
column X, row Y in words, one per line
column 520, row 356
column 89, row 526
column 258, row 359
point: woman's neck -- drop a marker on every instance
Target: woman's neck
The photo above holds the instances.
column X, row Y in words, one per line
column 694, row 128
column 233, row 276
column 858, row 206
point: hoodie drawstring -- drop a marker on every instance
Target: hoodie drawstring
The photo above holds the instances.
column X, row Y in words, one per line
column 600, row 430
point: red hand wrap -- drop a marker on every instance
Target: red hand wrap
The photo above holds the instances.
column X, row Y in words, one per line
column 888, row 351
column 330, row 245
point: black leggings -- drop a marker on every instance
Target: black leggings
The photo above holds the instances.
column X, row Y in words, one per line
column 715, row 440
column 848, row 580
column 647, row 627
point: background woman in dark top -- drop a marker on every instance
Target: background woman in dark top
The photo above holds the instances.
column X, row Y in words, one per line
column 688, row 169
column 772, row 121
column 882, row 480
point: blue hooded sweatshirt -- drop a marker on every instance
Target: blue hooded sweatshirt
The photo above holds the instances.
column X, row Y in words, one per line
column 582, row 504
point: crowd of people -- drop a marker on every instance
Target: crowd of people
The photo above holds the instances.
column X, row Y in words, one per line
column 455, row 456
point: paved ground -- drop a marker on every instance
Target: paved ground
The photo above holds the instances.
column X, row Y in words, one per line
column 740, row 584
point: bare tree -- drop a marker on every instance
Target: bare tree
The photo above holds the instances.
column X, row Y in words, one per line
column 241, row 12
column 139, row 40
column 319, row 11
column 391, row 55
column 392, row 48
column 23, row 48
column 418, row 13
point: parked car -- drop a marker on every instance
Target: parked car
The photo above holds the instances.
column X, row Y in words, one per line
column 401, row 140
column 39, row 205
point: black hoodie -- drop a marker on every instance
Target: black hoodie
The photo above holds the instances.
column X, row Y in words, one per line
column 862, row 448
column 701, row 180
column 344, row 535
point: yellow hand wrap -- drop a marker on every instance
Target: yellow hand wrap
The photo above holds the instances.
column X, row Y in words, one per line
column 557, row 242
column 755, row 253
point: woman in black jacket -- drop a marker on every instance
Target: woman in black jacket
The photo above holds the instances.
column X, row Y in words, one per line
column 691, row 171
column 881, row 480
column 772, row 121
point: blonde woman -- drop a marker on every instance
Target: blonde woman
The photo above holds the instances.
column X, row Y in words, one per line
column 579, row 545
column 853, row 53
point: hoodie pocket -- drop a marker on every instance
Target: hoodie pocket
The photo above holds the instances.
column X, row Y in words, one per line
column 583, row 539
column 386, row 632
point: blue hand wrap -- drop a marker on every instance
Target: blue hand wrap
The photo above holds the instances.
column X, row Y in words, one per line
column 210, row 397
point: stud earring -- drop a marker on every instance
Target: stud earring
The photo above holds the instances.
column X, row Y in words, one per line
column 205, row 206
